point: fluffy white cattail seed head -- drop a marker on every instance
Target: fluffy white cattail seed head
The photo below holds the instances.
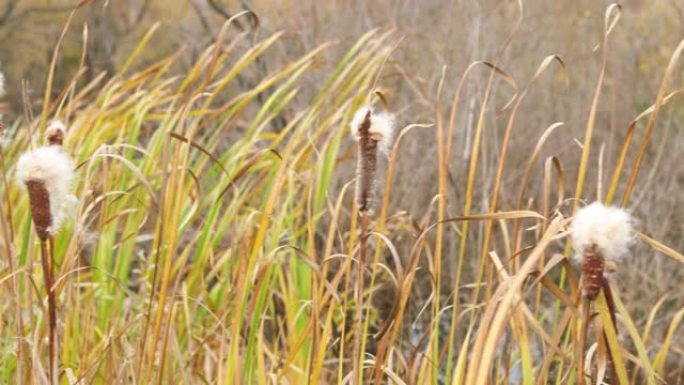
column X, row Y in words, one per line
column 55, row 133
column 52, row 168
column 372, row 132
column 381, row 128
column 2, row 85
column 609, row 229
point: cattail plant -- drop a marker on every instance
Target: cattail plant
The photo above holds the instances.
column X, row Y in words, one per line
column 47, row 173
column 601, row 237
column 373, row 132
column 599, row 234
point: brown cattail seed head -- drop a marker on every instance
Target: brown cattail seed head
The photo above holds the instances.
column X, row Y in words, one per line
column 40, row 208
column 373, row 132
column 365, row 167
column 593, row 266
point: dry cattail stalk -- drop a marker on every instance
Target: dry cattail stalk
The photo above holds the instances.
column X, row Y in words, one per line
column 54, row 135
column 373, row 132
column 48, row 174
column 600, row 235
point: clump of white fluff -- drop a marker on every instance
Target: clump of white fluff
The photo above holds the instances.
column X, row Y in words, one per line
column 56, row 127
column 2, row 85
column 609, row 228
column 52, row 166
column 381, row 128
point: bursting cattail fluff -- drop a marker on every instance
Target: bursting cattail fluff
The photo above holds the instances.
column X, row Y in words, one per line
column 373, row 132
column 55, row 132
column 599, row 234
column 47, row 174
column 2, row 85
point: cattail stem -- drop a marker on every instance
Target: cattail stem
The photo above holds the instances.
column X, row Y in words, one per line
column 48, row 272
column 584, row 331
column 52, row 301
column 366, row 166
column 611, row 309
column 593, row 266
column 373, row 132
column 593, row 281
column 358, row 318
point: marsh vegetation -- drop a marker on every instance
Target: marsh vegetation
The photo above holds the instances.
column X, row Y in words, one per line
column 396, row 192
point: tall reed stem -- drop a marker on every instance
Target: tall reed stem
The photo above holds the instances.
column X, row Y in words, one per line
column 586, row 309
column 358, row 294
column 7, row 197
column 48, row 272
column 584, row 331
column 365, row 198
column 611, row 309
